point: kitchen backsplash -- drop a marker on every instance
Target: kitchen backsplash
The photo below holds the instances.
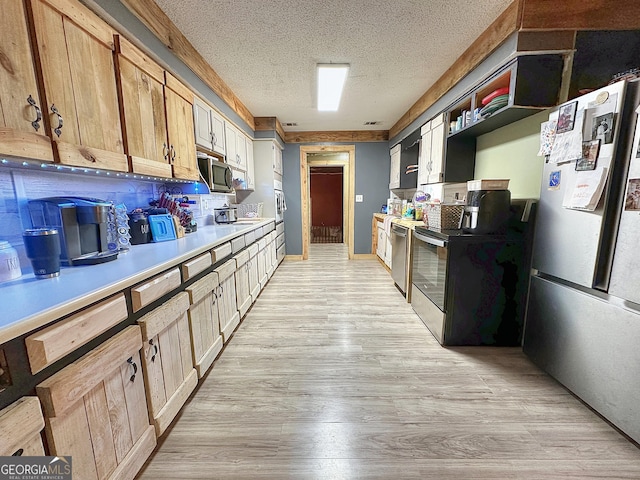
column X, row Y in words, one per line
column 18, row 186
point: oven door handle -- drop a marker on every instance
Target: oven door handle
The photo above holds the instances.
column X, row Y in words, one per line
column 430, row 240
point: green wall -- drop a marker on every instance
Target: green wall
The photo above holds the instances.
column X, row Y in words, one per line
column 511, row 152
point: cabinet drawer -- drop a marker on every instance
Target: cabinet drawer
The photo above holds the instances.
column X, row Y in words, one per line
column 259, row 232
column 60, row 339
column 21, row 424
column 242, row 258
column 196, row 265
column 219, row 253
column 238, row 244
column 249, row 238
column 269, row 227
column 225, row 270
column 280, row 253
column 280, row 228
column 280, row 241
column 147, row 292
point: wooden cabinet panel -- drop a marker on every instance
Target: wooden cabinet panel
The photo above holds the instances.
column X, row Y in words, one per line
column 20, row 134
column 238, row 244
column 218, row 126
column 75, row 51
column 20, row 427
column 221, row 252
column 168, row 365
column 254, row 278
column 394, row 174
column 54, row 342
column 145, row 293
column 243, row 294
column 261, row 258
column 182, row 143
column 206, row 342
column 228, row 315
column 141, row 84
column 96, row 410
column 202, row 124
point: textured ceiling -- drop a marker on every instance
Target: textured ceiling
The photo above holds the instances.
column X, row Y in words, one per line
column 266, row 51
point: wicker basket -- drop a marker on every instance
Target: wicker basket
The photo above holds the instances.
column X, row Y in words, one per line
column 249, row 210
column 442, row 216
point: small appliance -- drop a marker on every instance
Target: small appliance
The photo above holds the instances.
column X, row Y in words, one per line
column 216, row 174
column 487, row 211
column 225, row 214
column 82, row 224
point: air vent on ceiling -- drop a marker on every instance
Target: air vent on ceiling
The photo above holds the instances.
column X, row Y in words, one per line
column 290, row 124
column 375, row 122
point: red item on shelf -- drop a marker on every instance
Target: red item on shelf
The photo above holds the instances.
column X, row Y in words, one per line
column 494, row 94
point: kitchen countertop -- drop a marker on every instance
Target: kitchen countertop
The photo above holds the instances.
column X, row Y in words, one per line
column 29, row 303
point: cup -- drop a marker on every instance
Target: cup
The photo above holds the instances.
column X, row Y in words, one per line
column 43, row 249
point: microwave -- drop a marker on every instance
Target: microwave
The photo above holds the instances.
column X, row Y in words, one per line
column 216, row 174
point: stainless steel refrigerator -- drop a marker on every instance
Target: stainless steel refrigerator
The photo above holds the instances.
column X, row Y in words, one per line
column 583, row 317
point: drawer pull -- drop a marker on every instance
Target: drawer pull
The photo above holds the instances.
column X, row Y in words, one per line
column 155, row 350
column 135, row 368
column 36, row 123
column 18, row 453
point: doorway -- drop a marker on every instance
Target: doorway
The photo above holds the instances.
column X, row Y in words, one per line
column 334, row 160
column 325, row 197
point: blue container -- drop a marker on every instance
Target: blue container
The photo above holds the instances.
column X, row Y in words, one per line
column 162, row 228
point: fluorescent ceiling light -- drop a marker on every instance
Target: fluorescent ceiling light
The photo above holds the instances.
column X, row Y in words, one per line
column 331, row 78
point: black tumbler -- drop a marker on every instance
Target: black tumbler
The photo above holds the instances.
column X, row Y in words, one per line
column 43, row 249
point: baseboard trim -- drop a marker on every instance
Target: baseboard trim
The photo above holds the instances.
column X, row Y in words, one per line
column 364, row 256
column 295, row 258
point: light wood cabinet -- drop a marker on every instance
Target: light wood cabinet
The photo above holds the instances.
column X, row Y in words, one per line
column 394, row 176
column 181, row 138
column 251, row 172
column 167, row 360
column 20, row 427
column 243, row 295
column 209, row 127
column 141, row 85
column 154, row 288
column 382, row 242
column 262, row 262
column 96, row 410
column 228, row 314
column 22, row 131
column 75, row 52
column 254, row 276
column 206, row 341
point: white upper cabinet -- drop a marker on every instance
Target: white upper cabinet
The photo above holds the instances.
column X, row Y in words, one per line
column 209, row 127
column 431, row 160
column 394, row 178
column 251, row 172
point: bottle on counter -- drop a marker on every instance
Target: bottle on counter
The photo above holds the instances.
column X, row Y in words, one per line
column 9, row 262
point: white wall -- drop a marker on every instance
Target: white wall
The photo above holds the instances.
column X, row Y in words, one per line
column 511, row 152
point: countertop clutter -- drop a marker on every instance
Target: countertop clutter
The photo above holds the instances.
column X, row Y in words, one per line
column 36, row 302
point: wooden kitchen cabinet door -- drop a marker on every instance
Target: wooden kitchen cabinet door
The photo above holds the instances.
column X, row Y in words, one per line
column 206, row 341
column 141, row 84
column 75, row 53
column 167, row 360
column 96, row 410
column 180, row 129
column 254, row 278
column 20, row 427
column 22, row 131
column 243, row 295
column 228, row 314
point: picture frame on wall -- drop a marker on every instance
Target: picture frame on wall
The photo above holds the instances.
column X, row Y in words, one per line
column 566, row 117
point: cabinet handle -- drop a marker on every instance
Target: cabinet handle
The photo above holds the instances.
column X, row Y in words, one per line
column 135, row 368
column 58, row 129
column 214, row 139
column 155, row 350
column 173, row 154
column 18, row 453
column 36, row 123
column 165, row 152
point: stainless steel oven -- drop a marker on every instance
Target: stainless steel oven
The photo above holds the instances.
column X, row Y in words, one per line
column 430, row 267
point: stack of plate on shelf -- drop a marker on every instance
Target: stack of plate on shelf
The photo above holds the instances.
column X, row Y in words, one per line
column 494, row 101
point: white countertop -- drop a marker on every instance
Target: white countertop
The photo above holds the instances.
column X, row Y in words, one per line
column 28, row 303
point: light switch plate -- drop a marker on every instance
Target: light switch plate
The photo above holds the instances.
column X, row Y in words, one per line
column 359, row 198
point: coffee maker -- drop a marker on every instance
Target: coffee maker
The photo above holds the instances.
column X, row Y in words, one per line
column 487, row 211
column 82, row 224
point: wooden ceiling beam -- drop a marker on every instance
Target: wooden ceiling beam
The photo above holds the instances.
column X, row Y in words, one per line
column 337, row 136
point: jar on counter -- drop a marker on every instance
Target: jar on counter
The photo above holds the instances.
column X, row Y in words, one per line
column 9, row 262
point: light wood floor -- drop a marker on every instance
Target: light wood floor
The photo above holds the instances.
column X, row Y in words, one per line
column 332, row 376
